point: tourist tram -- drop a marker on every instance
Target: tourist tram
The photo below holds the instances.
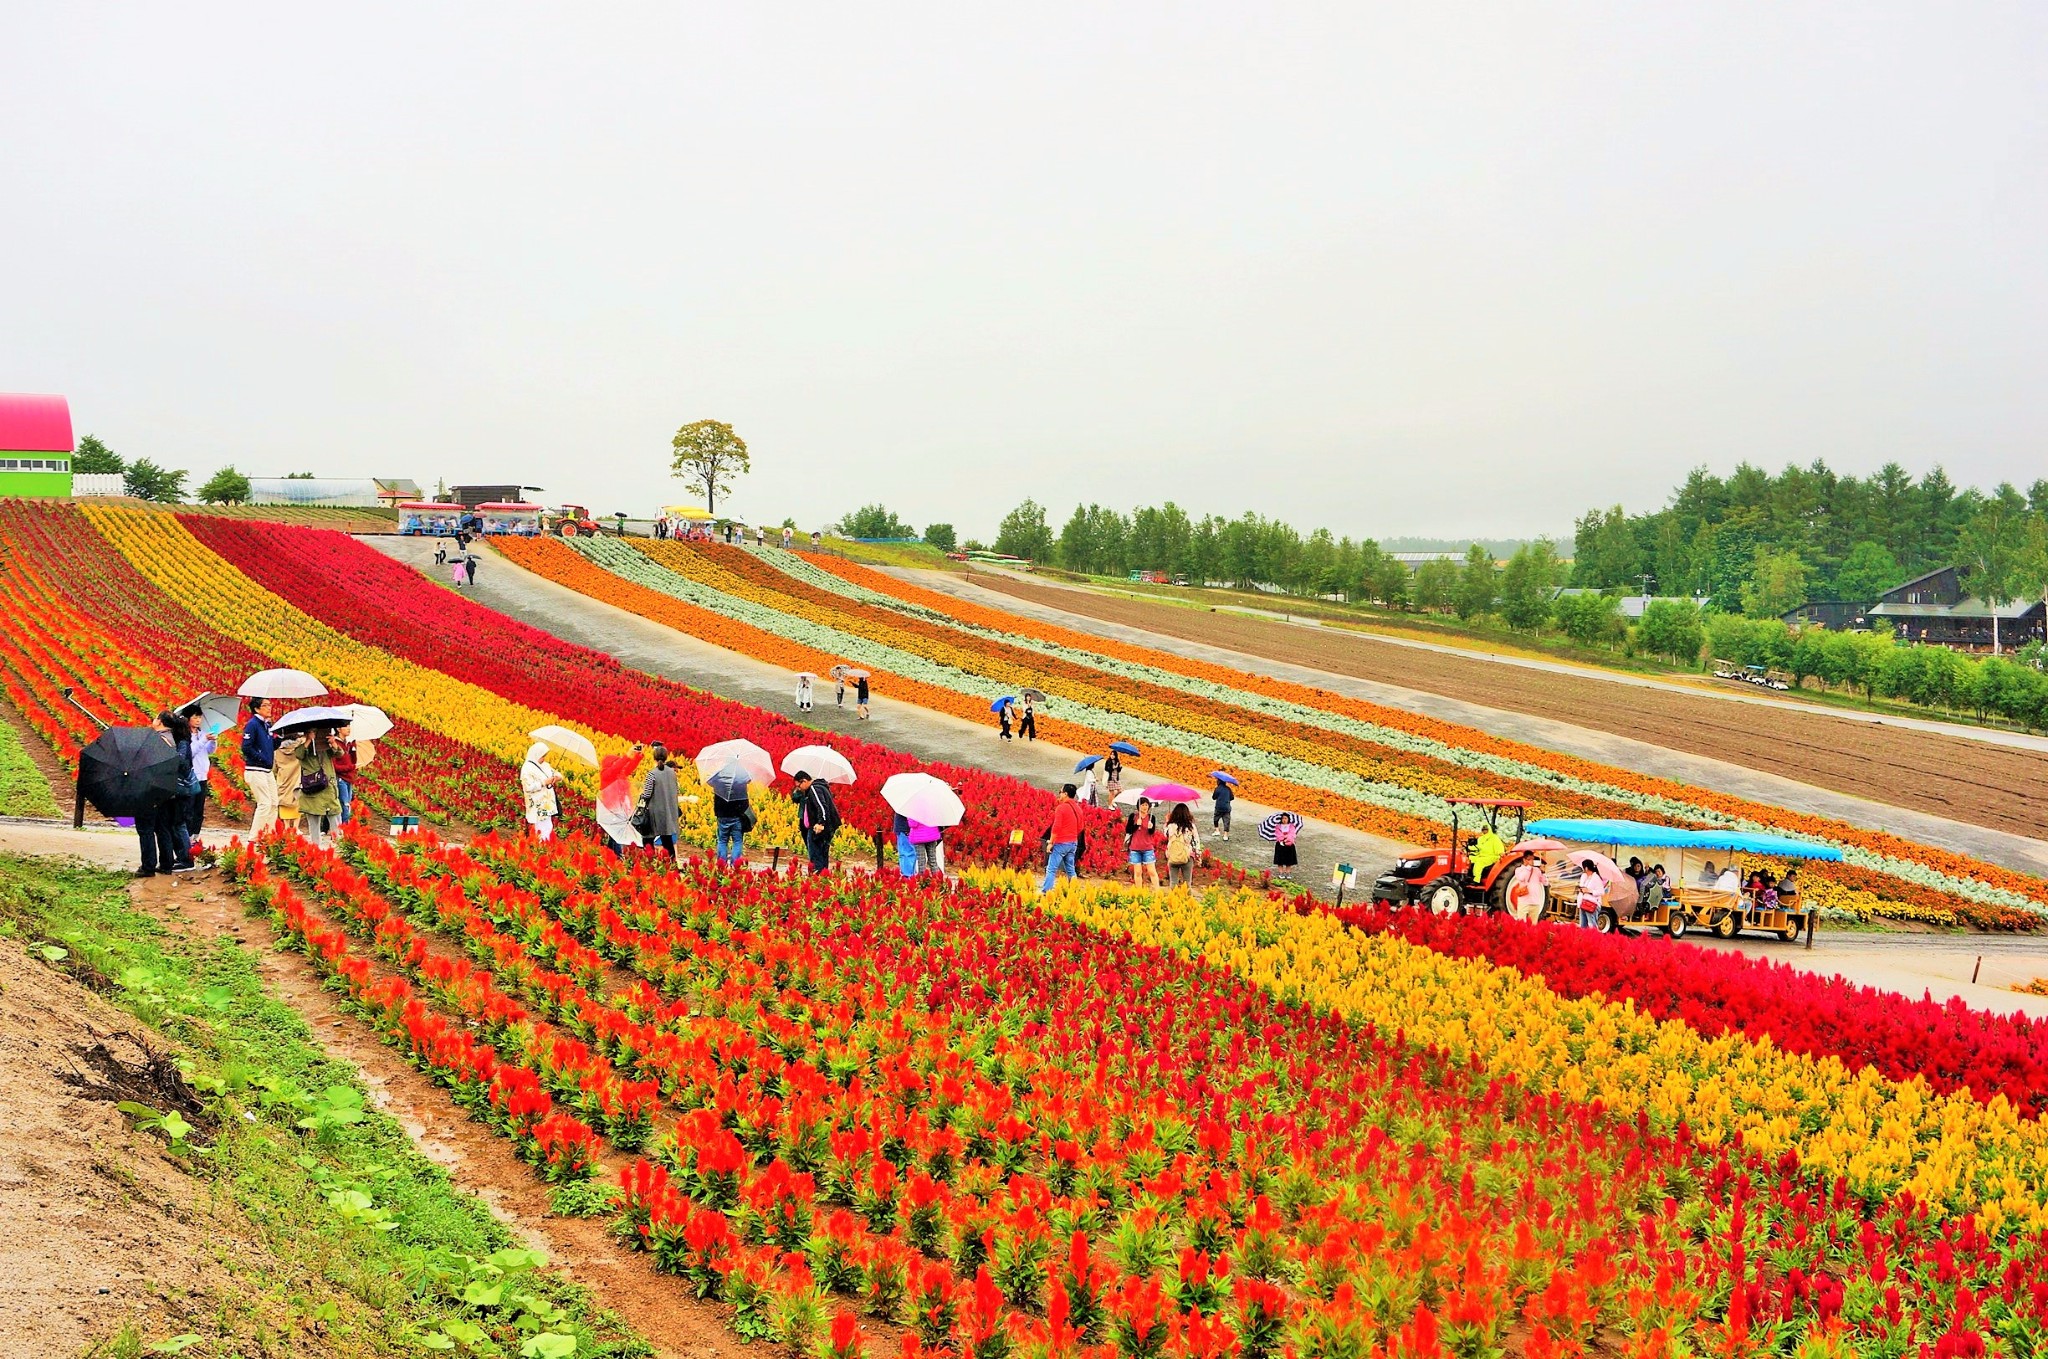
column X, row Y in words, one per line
column 1709, row 870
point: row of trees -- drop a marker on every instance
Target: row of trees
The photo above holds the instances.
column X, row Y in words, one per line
column 1762, row 545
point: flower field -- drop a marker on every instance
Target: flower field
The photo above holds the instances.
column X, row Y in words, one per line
column 867, row 1114
column 1377, row 768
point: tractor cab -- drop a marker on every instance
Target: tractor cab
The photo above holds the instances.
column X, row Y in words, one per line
column 1441, row 874
column 572, row 521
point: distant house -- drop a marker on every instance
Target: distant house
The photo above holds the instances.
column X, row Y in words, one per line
column 1933, row 608
column 35, row 445
column 470, row 497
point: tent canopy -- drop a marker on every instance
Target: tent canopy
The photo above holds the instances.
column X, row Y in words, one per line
column 1644, row 833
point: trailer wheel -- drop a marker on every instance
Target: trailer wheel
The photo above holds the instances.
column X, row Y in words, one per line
column 1726, row 925
column 1607, row 922
column 1446, row 899
column 1680, row 922
column 1790, row 934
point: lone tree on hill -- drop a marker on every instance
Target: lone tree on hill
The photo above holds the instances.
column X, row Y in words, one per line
column 225, row 487
column 710, row 454
column 146, row 481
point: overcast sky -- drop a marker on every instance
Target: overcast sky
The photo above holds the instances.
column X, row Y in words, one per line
column 1415, row 268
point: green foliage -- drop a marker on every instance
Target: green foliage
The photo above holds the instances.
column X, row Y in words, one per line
column 23, row 789
column 875, row 521
column 1671, row 628
column 1776, row 586
column 1867, row 572
column 584, row 1198
column 225, row 487
column 1857, row 537
column 1478, row 584
column 1023, row 533
column 1591, row 619
column 93, row 456
column 940, row 536
column 1436, row 584
column 1527, row 583
column 710, row 454
column 146, row 481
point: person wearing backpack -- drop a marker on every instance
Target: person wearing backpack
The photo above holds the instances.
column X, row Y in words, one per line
column 1183, row 843
column 817, row 817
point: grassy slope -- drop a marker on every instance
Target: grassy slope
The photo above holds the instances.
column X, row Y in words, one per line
column 23, row 789
column 366, row 1291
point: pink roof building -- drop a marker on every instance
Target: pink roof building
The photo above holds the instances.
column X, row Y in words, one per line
column 34, row 424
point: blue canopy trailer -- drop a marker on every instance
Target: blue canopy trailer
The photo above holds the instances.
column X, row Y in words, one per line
column 1709, row 898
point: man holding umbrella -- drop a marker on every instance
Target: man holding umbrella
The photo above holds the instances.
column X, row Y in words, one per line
column 259, row 755
column 817, row 816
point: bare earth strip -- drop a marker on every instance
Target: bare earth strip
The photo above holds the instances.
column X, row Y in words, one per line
column 1975, row 798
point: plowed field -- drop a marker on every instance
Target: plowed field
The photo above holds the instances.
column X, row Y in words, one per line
column 1970, row 781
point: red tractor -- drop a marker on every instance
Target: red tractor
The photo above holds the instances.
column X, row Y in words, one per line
column 1440, row 876
column 572, row 521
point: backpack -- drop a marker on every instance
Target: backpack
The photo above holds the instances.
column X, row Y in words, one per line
column 1180, row 845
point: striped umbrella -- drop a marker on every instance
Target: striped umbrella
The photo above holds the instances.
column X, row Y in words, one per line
column 1269, row 828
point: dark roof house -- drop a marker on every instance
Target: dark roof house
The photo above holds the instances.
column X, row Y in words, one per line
column 1933, row 608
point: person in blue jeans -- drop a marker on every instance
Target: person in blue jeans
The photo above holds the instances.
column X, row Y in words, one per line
column 731, row 844
column 1063, row 839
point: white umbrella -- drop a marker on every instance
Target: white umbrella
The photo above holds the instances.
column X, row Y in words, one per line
column 820, row 762
column 370, row 723
column 569, row 742
column 308, row 718
column 216, row 711
column 758, row 763
column 281, row 684
column 923, row 798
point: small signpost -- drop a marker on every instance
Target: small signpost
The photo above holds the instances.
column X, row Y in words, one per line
column 1341, row 877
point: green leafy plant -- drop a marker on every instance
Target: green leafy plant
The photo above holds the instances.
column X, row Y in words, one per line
column 170, row 1123
column 336, row 1107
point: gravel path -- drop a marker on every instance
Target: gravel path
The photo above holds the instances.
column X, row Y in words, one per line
column 661, row 650
column 2024, row 853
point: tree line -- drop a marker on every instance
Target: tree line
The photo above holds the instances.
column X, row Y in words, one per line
column 1762, row 545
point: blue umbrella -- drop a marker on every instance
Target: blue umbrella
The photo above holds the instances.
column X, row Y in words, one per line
column 1124, row 748
column 1089, row 763
column 730, row 782
column 1005, row 701
column 1222, row 777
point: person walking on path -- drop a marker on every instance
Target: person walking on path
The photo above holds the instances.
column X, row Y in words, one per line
column 817, row 817
column 788, row 537
column 613, row 810
column 1003, row 717
column 1113, row 775
column 860, row 696
column 1086, row 797
column 803, row 693
column 840, row 697
column 1062, row 839
column 1142, row 840
column 537, row 783
column 1592, row 895
column 290, row 752
column 319, row 798
column 1285, row 853
column 1183, row 845
column 1220, row 822
column 259, row 755
column 1028, row 727
column 662, row 801
column 153, row 834
column 735, row 818
column 761, row 536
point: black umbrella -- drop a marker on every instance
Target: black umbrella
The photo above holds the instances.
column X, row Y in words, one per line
column 128, row 770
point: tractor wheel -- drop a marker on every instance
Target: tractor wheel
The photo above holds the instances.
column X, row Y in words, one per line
column 1680, row 923
column 1607, row 922
column 1446, row 899
column 1726, row 925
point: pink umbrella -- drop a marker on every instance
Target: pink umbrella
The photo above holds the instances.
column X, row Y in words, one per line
column 1172, row 792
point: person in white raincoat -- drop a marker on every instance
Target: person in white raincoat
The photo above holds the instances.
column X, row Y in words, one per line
column 537, row 780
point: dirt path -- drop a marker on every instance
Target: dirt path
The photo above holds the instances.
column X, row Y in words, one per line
column 1976, row 798
column 662, row 650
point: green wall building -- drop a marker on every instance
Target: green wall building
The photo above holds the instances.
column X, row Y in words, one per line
column 35, row 445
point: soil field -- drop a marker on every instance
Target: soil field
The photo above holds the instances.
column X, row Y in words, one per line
column 1964, row 780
